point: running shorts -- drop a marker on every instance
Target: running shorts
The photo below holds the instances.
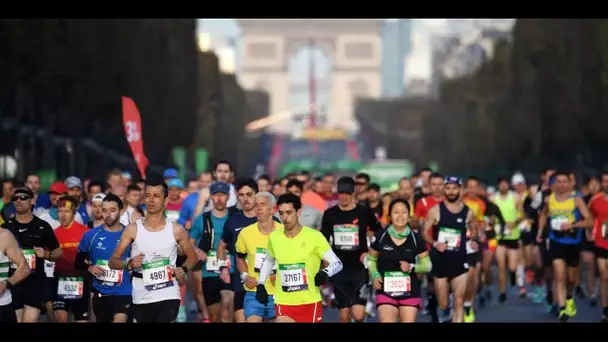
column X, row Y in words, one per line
column 528, row 238
column 544, row 253
column 509, row 244
column 78, row 307
column 105, row 307
column 303, row 313
column 33, row 291
column 255, row 308
column 601, row 253
column 384, row 299
column 212, row 288
column 474, row 258
column 448, row 265
column 350, row 288
column 165, row 311
column 569, row 253
column 7, row 314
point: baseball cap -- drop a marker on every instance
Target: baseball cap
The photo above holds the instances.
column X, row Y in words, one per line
column 170, row 173
column 126, row 174
column 374, row 187
column 175, row 183
column 23, row 191
column 219, row 187
column 58, row 188
column 73, row 182
column 346, row 185
column 518, row 178
column 453, row 180
column 98, row 197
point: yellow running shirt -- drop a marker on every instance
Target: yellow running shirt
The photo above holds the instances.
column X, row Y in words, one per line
column 298, row 261
column 253, row 243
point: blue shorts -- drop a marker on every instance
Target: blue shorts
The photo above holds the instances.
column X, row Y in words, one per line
column 254, row 308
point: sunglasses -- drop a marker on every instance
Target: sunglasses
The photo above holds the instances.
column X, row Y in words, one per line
column 361, row 183
column 21, row 198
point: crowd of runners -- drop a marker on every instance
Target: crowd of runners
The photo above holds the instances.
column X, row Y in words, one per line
column 226, row 249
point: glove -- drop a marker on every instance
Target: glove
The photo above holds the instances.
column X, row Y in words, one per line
column 321, row 278
column 261, row 295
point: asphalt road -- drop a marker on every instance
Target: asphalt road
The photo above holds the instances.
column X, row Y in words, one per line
column 514, row 310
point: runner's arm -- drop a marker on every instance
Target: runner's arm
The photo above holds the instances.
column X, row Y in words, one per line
column 542, row 219
column 326, row 226
column 126, row 239
column 266, row 269
column 423, row 260
column 472, row 225
column 587, row 221
column 431, row 218
column 83, row 253
column 16, row 257
column 50, row 242
column 181, row 237
column 334, row 264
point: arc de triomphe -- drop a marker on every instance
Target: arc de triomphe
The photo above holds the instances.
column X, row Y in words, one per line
column 352, row 45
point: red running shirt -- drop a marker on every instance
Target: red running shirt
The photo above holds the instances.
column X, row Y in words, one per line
column 69, row 240
column 598, row 206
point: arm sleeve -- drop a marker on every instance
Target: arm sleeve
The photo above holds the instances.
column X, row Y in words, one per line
column 334, row 264
column 266, row 269
column 423, row 265
column 80, row 262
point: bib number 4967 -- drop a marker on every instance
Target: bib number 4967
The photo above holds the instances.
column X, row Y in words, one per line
column 157, row 275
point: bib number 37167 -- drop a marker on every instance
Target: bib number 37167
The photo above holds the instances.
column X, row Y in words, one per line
column 70, row 287
column 293, row 277
column 157, row 275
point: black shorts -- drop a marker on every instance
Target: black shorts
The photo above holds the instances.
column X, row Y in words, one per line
column 544, row 253
column 239, row 291
column 448, row 265
column 33, row 291
column 474, row 258
column 528, row 238
column 239, row 300
column 600, row 253
column 78, row 307
column 350, row 288
column 588, row 246
column 105, row 307
column 165, row 311
column 212, row 288
column 509, row 244
column 571, row 254
column 7, row 314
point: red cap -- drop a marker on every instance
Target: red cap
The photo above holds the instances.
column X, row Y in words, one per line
column 58, row 188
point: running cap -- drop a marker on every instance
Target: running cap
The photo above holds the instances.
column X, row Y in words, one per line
column 127, row 175
column 453, row 180
column 23, row 191
column 346, row 185
column 175, row 183
column 98, row 197
column 219, row 187
column 58, row 187
column 73, row 182
column 518, row 178
column 170, row 173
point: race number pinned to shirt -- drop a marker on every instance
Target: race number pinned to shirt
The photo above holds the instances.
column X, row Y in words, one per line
column 451, row 237
column 293, row 277
column 30, row 259
column 213, row 264
column 260, row 256
column 110, row 276
column 397, row 283
column 49, row 268
column 470, row 249
column 558, row 221
column 346, row 237
column 70, row 287
column 157, row 275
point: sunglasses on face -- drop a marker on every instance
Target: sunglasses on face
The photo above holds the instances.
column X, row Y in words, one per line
column 361, row 183
column 21, row 198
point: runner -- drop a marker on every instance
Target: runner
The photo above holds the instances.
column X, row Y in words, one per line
column 155, row 242
column 206, row 233
column 174, row 204
column 508, row 252
column 264, row 183
column 57, row 190
column 297, row 252
column 72, row 288
column 345, row 226
column 588, row 257
column 76, row 190
column 445, row 229
column 523, row 271
column 598, row 207
column 111, row 289
column 422, row 208
column 96, row 211
column 474, row 258
column 251, row 247
column 310, row 217
column 10, row 255
column 397, row 256
column 114, row 179
column 132, row 199
column 38, row 243
column 567, row 216
column 327, row 188
column 361, row 183
column 189, row 206
column 373, row 200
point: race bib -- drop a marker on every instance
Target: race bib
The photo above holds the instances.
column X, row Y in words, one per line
column 70, row 287
column 260, row 256
column 293, row 277
column 213, row 265
column 49, row 268
column 397, row 283
column 557, row 222
column 346, row 237
column 157, row 275
column 451, row 237
column 110, row 276
column 30, row 259
column 470, row 249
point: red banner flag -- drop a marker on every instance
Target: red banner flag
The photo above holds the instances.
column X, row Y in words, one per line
column 132, row 122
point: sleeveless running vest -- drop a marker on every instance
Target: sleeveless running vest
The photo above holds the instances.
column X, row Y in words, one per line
column 508, row 209
column 452, row 229
column 160, row 253
column 562, row 212
column 125, row 218
column 5, row 297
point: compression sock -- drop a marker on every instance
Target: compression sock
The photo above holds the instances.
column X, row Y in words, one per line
column 520, row 275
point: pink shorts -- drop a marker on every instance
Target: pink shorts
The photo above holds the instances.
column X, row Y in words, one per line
column 382, row 299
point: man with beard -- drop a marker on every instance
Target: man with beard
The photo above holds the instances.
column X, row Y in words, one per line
column 206, row 233
column 361, row 184
column 111, row 288
column 154, row 242
column 373, row 200
column 450, row 220
column 38, row 244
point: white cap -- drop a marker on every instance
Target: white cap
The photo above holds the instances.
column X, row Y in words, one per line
column 491, row 190
column 518, row 178
column 98, row 197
